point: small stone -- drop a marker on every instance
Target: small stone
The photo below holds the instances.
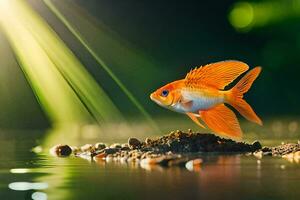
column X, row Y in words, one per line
column 86, row 147
column 178, row 134
column 268, row 153
column 100, row 146
column 110, row 150
column 61, row 150
column 148, row 141
column 133, row 143
column 288, row 156
column 116, row 145
column 100, row 156
column 297, row 154
column 266, row 149
column 146, row 149
column 256, row 145
column 194, row 165
column 125, row 148
column 152, row 161
column 124, row 145
column 85, row 155
column 258, row 154
column 75, row 149
column 172, row 133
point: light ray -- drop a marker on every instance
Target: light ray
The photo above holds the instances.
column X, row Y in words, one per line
column 63, row 87
column 100, row 61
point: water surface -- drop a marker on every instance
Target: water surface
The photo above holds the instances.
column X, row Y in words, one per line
column 28, row 175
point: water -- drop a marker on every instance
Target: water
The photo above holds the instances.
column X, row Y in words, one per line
column 28, row 175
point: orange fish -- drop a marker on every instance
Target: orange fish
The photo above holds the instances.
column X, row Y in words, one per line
column 201, row 95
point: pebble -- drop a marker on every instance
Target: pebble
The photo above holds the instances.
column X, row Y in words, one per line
column 124, row 148
column 148, row 141
column 125, row 145
column 292, row 157
column 151, row 161
column 61, row 150
column 288, row 156
column 100, row 156
column 297, row 154
column 86, row 147
column 100, row 146
column 258, row 154
column 269, row 153
column 85, row 155
column 110, row 150
column 194, row 165
column 116, row 145
column 133, row 143
column 75, row 149
column 256, row 145
column 166, row 151
column 266, row 149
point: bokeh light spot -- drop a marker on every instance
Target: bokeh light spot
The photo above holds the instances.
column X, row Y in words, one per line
column 241, row 16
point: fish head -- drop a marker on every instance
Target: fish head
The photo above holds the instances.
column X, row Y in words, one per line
column 167, row 95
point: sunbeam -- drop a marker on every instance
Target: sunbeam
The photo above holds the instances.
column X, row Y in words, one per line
column 65, row 90
column 99, row 60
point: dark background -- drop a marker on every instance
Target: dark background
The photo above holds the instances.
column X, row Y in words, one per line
column 176, row 35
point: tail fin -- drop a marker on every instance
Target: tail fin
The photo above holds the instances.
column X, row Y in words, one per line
column 235, row 96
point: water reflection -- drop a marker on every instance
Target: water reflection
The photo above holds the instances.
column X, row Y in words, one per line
column 39, row 196
column 19, row 171
column 76, row 178
column 23, row 186
column 37, row 175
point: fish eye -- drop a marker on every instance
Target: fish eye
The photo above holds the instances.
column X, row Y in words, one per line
column 164, row 93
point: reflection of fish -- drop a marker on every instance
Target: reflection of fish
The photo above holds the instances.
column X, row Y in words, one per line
column 201, row 94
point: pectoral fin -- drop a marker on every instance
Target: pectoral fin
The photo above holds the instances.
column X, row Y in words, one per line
column 187, row 104
column 194, row 118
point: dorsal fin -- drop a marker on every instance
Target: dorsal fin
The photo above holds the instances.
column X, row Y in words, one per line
column 217, row 75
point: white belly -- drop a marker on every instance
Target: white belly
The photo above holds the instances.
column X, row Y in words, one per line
column 200, row 102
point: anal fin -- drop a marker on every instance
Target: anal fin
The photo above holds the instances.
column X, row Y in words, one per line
column 222, row 120
column 194, row 118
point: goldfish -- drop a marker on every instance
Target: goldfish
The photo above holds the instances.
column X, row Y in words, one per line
column 202, row 95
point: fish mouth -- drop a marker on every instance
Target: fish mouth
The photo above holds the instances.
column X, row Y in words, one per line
column 152, row 97
column 157, row 101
